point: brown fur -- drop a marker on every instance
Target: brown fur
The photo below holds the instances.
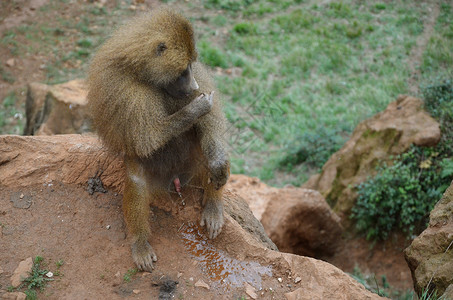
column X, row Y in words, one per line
column 162, row 137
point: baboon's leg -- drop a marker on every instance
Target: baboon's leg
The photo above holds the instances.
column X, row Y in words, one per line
column 136, row 201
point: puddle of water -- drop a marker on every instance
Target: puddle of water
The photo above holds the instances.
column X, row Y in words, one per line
column 221, row 269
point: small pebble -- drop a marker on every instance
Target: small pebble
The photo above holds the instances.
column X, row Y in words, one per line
column 250, row 290
column 201, row 283
column 11, row 62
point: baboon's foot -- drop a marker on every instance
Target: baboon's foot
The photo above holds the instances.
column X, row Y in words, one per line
column 212, row 217
column 143, row 255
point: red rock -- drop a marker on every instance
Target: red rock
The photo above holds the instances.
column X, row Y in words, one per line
column 11, row 62
column 297, row 220
column 57, row 109
column 14, row 296
column 430, row 255
column 21, row 272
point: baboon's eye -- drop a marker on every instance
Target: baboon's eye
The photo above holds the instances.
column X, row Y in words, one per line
column 161, row 48
column 185, row 72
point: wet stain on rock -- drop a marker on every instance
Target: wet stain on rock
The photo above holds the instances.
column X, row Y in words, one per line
column 224, row 271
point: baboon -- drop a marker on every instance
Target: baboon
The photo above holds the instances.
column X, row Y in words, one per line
column 152, row 102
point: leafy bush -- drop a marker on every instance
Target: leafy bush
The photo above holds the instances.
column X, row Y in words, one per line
column 438, row 99
column 401, row 195
column 37, row 279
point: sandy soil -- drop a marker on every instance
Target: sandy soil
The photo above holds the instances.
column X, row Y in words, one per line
column 61, row 222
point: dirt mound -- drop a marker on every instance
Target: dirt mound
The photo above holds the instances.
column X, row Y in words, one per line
column 59, row 219
column 298, row 220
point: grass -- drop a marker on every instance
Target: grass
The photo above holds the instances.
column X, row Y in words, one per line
column 310, row 68
column 130, row 274
column 12, row 119
column 438, row 56
column 66, row 41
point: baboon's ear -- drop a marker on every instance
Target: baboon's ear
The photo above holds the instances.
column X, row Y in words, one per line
column 161, row 48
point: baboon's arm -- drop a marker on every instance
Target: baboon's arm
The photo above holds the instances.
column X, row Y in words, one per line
column 149, row 128
column 213, row 137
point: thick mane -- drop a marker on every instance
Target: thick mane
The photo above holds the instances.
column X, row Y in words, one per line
column 134, row 46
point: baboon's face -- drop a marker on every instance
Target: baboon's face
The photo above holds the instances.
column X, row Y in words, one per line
column 184, row 85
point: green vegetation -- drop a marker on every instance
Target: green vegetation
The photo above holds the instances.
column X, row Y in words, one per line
column 58, row 264
column 11, row 117
column 310, row 73
column 401, row 195
column 438, row 55
column 211, row 55
column 313, row 148
column 431, row 295
column 6, row 75
column 129, row 274
column 37, row 279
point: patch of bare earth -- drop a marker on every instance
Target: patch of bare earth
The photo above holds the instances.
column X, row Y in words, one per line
column 416, row 55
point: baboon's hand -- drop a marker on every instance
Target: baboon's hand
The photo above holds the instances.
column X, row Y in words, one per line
column 203, row 103
column 220, row 171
